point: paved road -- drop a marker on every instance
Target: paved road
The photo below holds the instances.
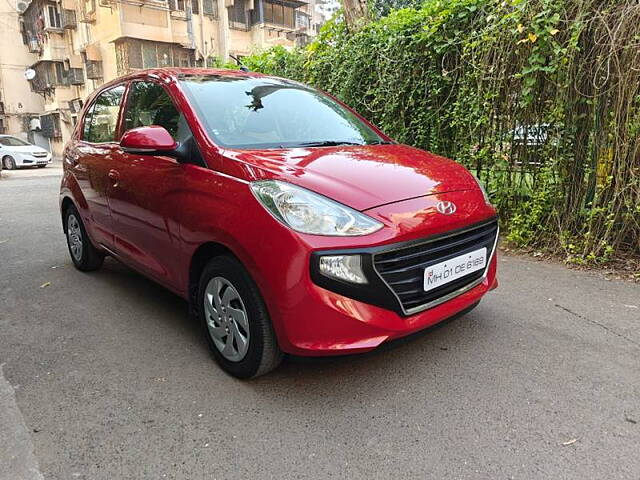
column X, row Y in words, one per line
column 106, row 377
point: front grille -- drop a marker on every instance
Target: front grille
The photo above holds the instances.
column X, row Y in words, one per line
column 39, row 154
column 403, row 268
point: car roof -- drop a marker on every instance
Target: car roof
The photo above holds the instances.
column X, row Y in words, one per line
column 174, row 73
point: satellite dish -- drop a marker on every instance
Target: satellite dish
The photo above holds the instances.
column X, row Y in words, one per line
column 29, row 74
column 22, row 6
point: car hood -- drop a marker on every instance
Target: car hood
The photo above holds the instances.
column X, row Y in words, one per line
column 26, row 149
column 362, row 177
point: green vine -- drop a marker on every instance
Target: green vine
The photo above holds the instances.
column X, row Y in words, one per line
column 540, row 98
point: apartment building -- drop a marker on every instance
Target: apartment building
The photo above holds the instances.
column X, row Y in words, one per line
column 18, row 103
column 73, row 46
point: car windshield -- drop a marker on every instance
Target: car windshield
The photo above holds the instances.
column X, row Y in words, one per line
column 12, row 142
column 244, row 112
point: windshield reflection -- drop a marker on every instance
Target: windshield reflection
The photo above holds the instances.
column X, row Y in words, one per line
column 279, row 114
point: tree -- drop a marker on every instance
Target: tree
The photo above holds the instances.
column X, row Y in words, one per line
column 355, row 12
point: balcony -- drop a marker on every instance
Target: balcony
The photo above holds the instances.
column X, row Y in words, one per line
column 134, row 54
column 243, row 26
column 94, row 69
column 69, row 19
column 49, row 75
column 76, row 76
column 278, row 15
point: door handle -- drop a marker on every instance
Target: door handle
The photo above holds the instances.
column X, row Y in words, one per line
column 114, row 176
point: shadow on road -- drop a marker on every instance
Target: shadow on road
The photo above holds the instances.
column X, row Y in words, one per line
column 158, row 309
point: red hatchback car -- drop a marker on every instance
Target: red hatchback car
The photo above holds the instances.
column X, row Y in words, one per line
column 289, row 222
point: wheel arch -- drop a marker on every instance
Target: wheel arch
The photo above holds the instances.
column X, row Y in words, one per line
column 199, row 259
column 64, row 205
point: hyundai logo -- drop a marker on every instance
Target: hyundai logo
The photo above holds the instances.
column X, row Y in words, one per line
column 446, row 208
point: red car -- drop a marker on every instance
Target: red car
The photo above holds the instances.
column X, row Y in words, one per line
column 289, row 222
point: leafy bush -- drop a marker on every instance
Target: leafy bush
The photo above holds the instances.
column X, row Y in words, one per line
column 540, row 98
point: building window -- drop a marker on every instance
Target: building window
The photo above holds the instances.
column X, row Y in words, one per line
column 195, row 7
column 303, row 20
column 210, row 7
column 50, row 125
column 238, row 18
column 53, row 17
column 62, row 75
column 177, row 5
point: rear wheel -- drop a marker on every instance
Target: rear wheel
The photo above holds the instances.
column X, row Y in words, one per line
column 9, row 162
column 235, row 320
column 84, row 255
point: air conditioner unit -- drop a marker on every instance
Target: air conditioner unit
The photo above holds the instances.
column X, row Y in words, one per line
column 34, row 124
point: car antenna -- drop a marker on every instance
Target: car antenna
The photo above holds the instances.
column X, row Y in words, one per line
column 243, row 67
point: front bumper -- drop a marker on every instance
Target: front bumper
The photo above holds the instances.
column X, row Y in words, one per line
column 327, row 323
column 28, row 160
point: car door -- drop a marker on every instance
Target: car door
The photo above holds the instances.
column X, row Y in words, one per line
column 91, row 158
column 147, row 194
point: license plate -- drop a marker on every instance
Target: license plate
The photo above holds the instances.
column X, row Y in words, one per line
column 444, row 272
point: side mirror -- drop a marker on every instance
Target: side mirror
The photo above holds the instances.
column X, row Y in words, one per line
column 151, row 140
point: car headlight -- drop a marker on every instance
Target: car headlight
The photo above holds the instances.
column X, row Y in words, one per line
column 482, row 189
column 308, row 212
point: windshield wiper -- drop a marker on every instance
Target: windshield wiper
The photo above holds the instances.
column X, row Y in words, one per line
column 328, row 143
column 380, row 142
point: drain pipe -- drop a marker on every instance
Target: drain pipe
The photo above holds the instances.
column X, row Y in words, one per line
column 202, row 47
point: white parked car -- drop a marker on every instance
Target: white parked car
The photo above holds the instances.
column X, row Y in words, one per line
column 16, row 153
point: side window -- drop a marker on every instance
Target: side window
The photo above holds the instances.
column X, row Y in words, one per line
column 86, row 127
column 150, row 104
column 103, row 118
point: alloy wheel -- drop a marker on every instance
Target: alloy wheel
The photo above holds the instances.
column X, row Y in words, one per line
column 74, row 237
column 227, row 319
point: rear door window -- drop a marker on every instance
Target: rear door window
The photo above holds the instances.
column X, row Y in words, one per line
column 101, row 123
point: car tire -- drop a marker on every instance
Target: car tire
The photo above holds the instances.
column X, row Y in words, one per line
column 84, row 255
column 241, row 338
column 9, row 163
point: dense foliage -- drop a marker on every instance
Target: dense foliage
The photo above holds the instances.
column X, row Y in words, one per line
column 380, row 8
column 541, row 98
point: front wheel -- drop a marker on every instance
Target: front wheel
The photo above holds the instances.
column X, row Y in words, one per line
column 235, row 320
column 84, row 255
column 9, row 162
